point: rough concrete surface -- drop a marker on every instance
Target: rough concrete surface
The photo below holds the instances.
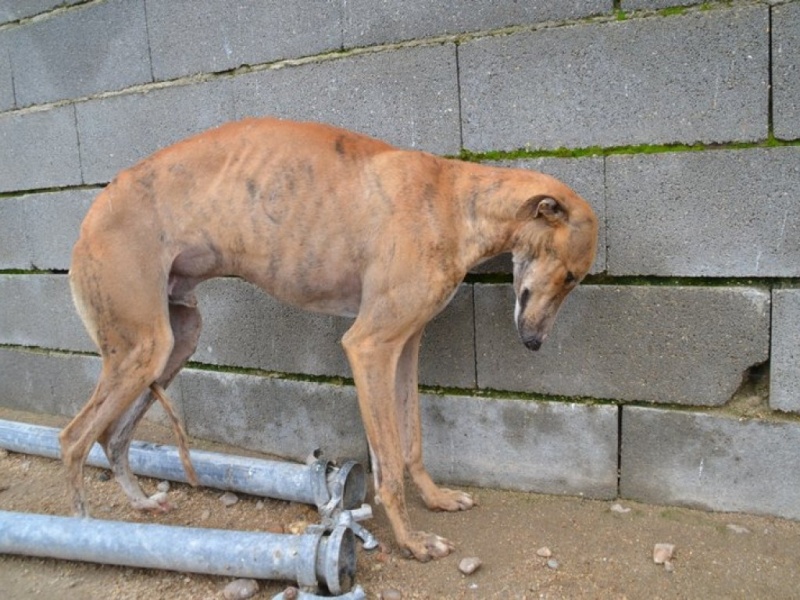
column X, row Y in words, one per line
column 710, row 461
column 528, row 90
column 784, row 390
column 676, row 345
column 722, row 213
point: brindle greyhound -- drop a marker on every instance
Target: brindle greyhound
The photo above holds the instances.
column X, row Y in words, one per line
column 323, row 219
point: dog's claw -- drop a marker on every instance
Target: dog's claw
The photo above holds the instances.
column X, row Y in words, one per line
column 425, row 546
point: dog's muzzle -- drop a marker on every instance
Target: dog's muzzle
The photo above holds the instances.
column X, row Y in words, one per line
column 535, row 341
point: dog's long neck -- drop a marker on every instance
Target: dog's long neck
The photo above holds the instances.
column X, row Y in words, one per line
column 491, row 198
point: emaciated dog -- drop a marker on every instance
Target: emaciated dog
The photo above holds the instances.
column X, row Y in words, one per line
column 323, row 219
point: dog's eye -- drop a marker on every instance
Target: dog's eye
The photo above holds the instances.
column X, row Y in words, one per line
column 570, row 278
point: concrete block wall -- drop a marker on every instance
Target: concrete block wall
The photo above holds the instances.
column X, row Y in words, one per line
column 678, row 120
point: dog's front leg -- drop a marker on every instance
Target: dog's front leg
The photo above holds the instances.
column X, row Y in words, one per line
column 407, row 409
column 374, row 364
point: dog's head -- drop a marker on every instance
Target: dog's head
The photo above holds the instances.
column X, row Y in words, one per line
column 554, row 248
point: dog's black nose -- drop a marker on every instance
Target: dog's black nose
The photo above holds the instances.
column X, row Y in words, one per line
column 533, row 342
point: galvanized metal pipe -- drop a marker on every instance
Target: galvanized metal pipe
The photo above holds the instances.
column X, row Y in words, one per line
column 329, row 488
column 311, row 559
column 357, row 593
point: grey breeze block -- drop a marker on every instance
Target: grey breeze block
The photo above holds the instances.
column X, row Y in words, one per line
column 699, row 77
column 786, row 70
column 407, row 97
column 545, row 447
column 710, row 461
column 39, row 150
column 679, row 345
column 367, row 22
column 242, row 327
column 224, row 35
column 784, row 388
column 87, row 50
column 722, row 213
column 118, row 131
column 39, row 230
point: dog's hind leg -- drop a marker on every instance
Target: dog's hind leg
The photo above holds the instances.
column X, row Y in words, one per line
column 407, row 398
column 185, row 323
column 124, row 310
column 124, row 377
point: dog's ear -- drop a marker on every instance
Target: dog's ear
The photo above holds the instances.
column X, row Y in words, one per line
column 543, row 207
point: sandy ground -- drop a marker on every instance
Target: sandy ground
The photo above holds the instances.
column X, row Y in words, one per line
column 598, row 553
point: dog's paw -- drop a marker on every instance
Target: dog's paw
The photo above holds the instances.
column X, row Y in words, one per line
column 424, row 546
column 158, row 502
column 449, row 500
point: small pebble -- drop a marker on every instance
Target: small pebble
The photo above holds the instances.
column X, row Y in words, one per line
column 391, row 595
column 618, row 508
column 544, row 552
column 260, row 505
column 298, row 527
column 205, row 515
column 240, row 589
column 469, row 565
column 668, row 566
column 552, row 563
column 662, row 553
column 229, row 498
column 737, row 528
column 163, row 486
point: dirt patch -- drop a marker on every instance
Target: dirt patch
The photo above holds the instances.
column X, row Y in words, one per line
column 596, row 552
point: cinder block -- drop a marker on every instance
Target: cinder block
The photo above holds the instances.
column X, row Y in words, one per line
column 46, row 383
column 407, row 97
column 529, row 90
column 544, row 447
column 447, row 356
column 723, row 213
column 285, row 418
column 653, row 4
column 786, row 70
column 710, row 461
column 224, row 35
column 116, row 132
column 39, row 150
column 59, row 384
column 80, row 52
column 37, row 231
column 678, row 345
column 784, row 385
column 14, row 10
column 6, row 76
column 367, row 22
column 38, row 311
column 244, row 327
column 584, row 175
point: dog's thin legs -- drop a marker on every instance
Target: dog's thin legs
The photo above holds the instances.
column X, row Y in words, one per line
column 374, row 365
column 122, row 381
column 185, row 322
column 407, row 397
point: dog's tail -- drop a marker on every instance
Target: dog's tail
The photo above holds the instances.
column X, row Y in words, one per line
column 180, row 433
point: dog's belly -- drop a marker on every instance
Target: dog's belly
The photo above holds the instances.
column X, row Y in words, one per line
column 340, row 298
